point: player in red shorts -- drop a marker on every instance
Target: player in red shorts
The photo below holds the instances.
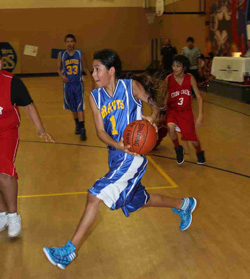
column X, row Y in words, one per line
column 180, row 115
column 13, row 93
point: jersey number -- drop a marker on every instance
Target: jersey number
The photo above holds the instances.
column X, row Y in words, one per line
column 112, row 120
column 180, row 103
column 1, row 109
column 72, row 70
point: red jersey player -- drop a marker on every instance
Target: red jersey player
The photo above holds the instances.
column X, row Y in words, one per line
column 13, row 93
column 180, row 115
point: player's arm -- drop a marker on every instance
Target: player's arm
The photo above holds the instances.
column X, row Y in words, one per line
column 199, row 120
column 59, row 68
column 87, row 71
column 33, row 114
column 100, row 131
column 21, row 97
column 140, row 93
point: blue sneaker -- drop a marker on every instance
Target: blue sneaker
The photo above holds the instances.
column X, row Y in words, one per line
column 61, row 256
column 189, row 205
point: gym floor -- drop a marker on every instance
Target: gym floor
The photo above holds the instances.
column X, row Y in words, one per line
column 53, row 183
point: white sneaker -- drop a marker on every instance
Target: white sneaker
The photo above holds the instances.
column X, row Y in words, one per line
column 14, row 226
column 3, row 222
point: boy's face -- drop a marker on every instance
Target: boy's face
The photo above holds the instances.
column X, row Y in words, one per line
column 177, row 68
column 190, row 44
column 101, row 74
column 70, row 44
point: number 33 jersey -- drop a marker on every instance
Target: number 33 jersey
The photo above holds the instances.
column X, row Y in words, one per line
column 179, row 95
column 72, row 65
column 119, row 110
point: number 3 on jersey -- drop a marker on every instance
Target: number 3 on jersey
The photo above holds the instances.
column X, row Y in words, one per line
column 72, row 70
column 180, row 103
column 113, row 122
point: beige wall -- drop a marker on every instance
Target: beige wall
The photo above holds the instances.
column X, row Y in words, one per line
column 123, row 29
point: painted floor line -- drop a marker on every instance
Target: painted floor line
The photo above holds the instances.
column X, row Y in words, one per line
column 82, row 193
column 162, row 172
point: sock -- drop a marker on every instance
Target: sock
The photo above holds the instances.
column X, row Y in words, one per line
column 176, row 142
column 185, row 204
column 12, row 214
column 198, row 147
column 76, row 120
column 81, row 124
column 2, row 213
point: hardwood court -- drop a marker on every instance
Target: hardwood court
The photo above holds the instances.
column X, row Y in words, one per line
column 53, row 182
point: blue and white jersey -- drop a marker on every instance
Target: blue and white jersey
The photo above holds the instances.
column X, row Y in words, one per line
column 119, row 110
column 72, row 65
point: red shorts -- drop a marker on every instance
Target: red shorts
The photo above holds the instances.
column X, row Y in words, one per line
column 184, row 120
column 8, row 147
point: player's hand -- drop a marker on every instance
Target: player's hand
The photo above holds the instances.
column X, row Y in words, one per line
column 65, row 79
column 199, row 122
column 125, row 148
column 151, row 120
column 47, row 136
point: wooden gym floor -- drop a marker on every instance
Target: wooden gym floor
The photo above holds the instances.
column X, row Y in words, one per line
column 53, row 182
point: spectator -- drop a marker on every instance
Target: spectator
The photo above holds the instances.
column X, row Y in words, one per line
column 167, row 54
column 192, row 53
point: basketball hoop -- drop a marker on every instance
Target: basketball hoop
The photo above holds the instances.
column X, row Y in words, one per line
column 150, row 17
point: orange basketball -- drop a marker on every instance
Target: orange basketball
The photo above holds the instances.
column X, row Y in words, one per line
column 141, row 136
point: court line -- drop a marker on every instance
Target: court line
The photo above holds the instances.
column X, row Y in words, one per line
column 82, row 193
column 155, row 155
column 162, row 172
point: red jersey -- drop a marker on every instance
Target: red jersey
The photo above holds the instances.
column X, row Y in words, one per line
column 9, row 116
column 179, row 95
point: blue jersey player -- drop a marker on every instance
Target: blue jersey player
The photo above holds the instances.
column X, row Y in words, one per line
column 115, row 103
column 71, row 63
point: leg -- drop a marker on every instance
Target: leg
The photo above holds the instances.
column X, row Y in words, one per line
column 87, row 220
column 178, row 148
column 81, row 117
column 182, row 207
column 9, row 191
column 199, row 153
column 64, row 255
column 3, row 206
column 163, row 201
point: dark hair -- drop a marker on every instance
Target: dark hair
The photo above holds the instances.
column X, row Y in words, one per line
column 70, row 36
column 1, row 55
column 190, row 39
column 182, row 60
column 109, row 59
column 211, row 55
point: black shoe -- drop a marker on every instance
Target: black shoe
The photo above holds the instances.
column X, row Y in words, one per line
column 83, row 135
column 77, row 130
column 201, row 158
column 179, row 154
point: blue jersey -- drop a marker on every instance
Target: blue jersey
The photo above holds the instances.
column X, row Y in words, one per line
column 72, row 65
column 119, row 110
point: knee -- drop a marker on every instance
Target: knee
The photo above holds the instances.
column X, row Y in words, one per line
column 93, row 200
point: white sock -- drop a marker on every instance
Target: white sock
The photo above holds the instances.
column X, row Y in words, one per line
column 12, row 214
column 2, row 213
column 185, row 204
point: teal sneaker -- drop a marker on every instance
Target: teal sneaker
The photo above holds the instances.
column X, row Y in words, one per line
column 185, row 213
column 61, row 256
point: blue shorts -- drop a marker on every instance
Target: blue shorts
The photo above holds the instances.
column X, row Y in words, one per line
column 73, row 96
column 121, row 187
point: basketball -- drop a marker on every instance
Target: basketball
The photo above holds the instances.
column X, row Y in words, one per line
column 141, row 136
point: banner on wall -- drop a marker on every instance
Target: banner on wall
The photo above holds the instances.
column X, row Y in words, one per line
column 11, row 56
column 227, row 24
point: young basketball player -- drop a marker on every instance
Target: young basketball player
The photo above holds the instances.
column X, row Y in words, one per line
column 71, row 62
column 180, row 115
column 115, row 103
column 13, row 93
